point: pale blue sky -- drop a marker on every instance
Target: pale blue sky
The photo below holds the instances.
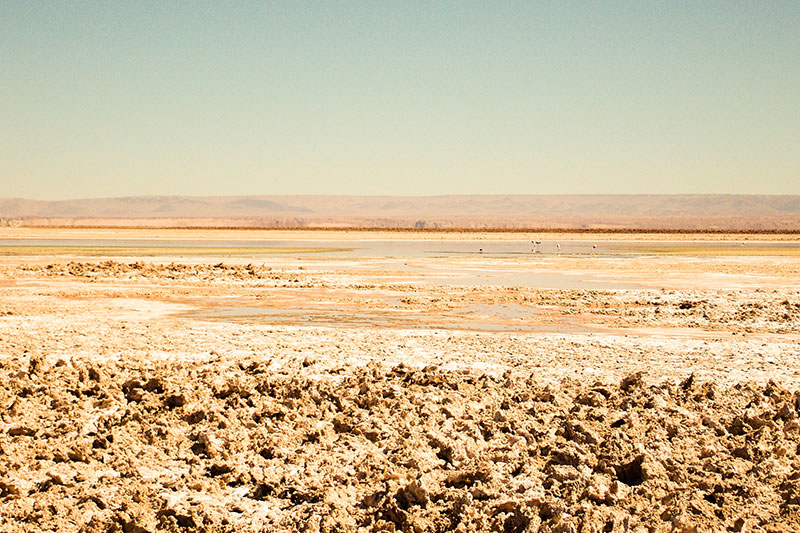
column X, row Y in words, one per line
column 128, row 98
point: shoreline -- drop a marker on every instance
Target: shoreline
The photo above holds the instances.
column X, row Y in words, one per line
column 331, row 234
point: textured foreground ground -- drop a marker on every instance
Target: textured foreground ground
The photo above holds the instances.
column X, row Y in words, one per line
column 285, row 396
column 224, row 445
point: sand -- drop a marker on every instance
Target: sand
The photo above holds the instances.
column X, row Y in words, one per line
column 357, row 394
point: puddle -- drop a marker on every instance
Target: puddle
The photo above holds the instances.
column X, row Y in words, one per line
column 488, row 318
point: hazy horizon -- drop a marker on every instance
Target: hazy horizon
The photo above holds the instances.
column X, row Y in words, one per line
column 104, row 100
column 309, row 205
column 367, row 195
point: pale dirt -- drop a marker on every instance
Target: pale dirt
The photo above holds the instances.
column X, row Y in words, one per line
column 357, row 394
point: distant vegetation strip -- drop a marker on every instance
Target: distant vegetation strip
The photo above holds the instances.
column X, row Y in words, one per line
column 373, row 229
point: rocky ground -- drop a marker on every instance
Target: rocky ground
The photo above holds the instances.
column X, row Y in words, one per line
column 374, row 399
column 226, row 445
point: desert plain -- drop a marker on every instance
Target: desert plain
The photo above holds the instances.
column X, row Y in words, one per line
column 383, row 381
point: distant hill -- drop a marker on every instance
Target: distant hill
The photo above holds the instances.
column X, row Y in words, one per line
column 475, row 211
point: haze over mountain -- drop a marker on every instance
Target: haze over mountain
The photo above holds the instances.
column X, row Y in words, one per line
column 636, row 211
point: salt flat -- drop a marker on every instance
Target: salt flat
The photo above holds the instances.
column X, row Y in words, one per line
column 195, row 370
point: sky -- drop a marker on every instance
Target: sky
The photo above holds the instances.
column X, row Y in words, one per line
column 104, row 99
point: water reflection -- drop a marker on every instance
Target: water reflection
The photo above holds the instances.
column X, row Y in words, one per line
column 488, row 318
column 413, row 248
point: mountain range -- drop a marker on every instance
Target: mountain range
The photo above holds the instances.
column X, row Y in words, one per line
column 721, row 211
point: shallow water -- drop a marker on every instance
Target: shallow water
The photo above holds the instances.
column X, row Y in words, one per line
column 489, row 318
column 413, row 248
